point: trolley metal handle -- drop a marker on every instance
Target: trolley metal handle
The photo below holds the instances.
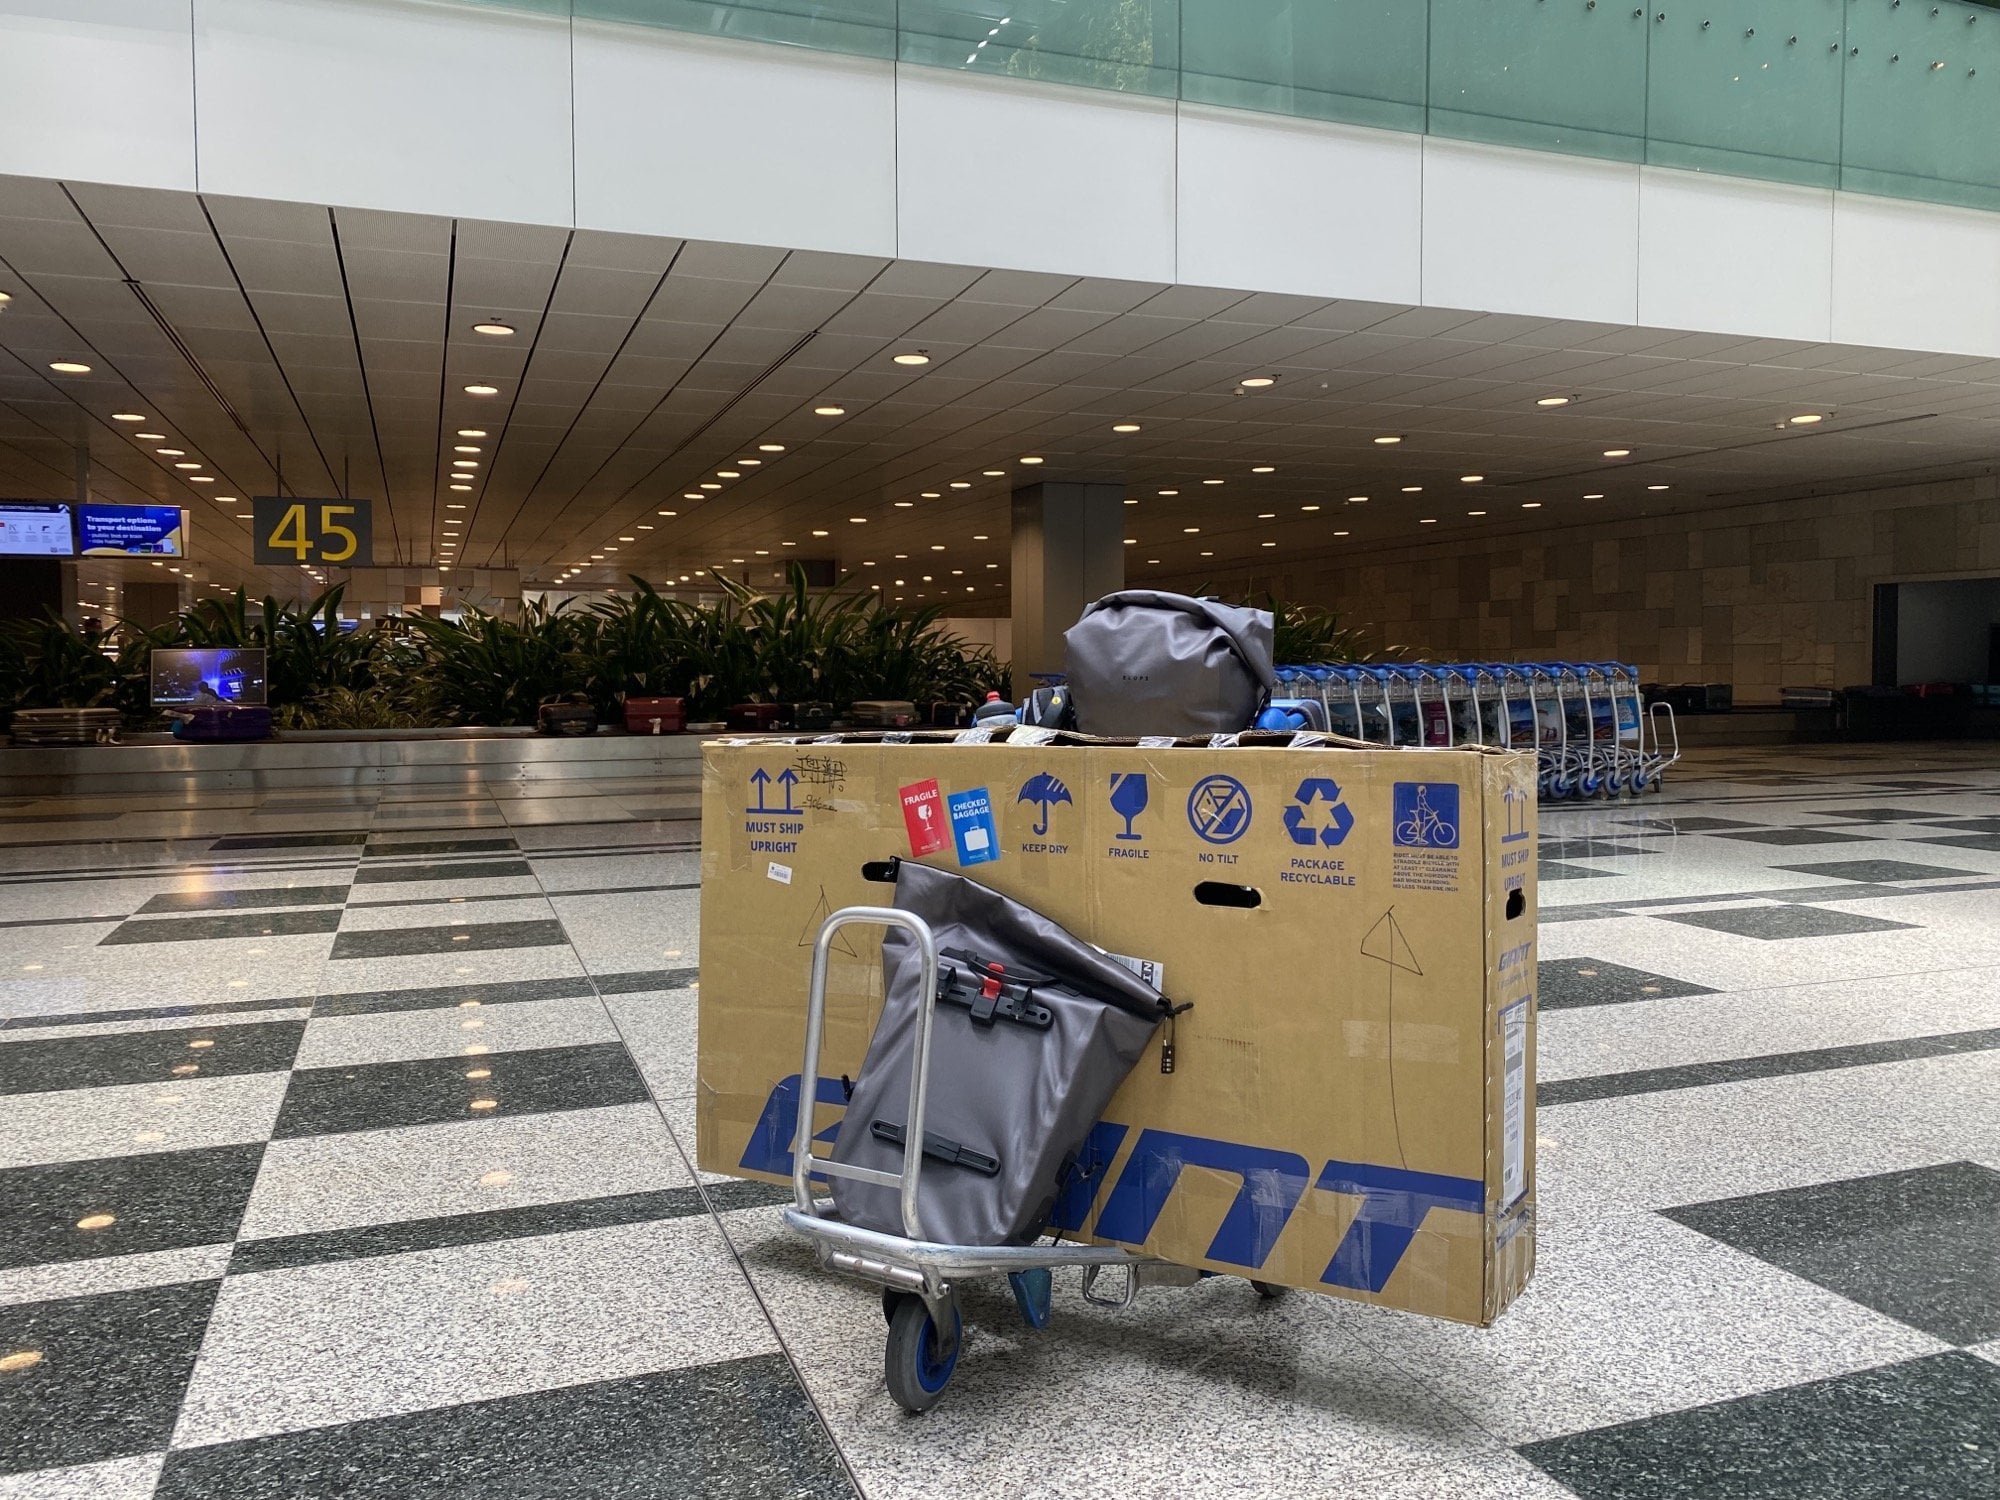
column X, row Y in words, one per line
column 803, row 1161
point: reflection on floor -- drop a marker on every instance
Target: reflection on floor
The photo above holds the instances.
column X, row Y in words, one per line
column 345, row 1149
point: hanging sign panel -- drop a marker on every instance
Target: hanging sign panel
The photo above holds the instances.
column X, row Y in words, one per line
column 294, row 531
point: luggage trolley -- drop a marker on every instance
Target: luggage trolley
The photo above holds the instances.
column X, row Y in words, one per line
column 919, row 1277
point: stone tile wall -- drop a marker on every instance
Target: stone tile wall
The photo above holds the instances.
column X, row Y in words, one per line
column 1759, row 596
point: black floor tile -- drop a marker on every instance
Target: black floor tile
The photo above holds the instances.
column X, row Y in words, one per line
column 1967, row 825
column 248, row 924
column 383, row 1002
column 1771, row 1065
column 1986, row 843
column 431, row 1090
column 464, row 869
column 740, row 1430
column 1697, row 824
column 1881, row 814
column 151, row 1013
column 640, row 981
column 1877, row 871
column 1557, row 870
column 1921, row 1245
column 239, row 900
column 1787, row 837
column 381, row 848
column 40, row 1065
column 110, row 1376
column 459, row 937
column 1567, row 983
column 157, row 1200
column 1925, row 1430
column 288, row 841
column 1774, row 923
column 470, row 1229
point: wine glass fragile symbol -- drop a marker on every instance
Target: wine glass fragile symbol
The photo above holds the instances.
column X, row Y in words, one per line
column 1129, row 795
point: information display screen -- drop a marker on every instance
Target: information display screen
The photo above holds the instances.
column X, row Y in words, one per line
column 30, row 528
column 132, row 530
column 208, row 677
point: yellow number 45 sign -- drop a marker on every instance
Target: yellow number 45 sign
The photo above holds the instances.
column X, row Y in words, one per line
column 314, row 531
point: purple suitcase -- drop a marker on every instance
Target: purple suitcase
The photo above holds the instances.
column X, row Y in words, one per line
column 224, row 725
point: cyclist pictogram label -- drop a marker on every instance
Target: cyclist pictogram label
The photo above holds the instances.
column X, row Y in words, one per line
column 1424, row 834
column 1218, row 809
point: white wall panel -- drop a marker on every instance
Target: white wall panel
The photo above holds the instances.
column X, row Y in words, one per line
column 98, row 91
column 1298, row 206
column 386, row 104
column 1913, row 276
column 1029, row 177
column 1527, row 232
column 707, row 139
column 1730, row 256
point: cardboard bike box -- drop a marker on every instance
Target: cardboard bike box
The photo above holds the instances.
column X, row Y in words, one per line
column 1351, row 1105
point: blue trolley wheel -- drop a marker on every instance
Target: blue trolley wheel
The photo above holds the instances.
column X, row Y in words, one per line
column 918, row 1362
column 1268, row 1292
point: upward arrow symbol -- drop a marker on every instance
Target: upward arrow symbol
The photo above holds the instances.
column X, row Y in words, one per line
column 759, row 779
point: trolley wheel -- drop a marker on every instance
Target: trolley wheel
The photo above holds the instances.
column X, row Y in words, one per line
column 891, row 1300
column 918, row 1363
column 1268, row 1292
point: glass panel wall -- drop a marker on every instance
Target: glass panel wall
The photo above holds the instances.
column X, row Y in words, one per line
column 1879, row 96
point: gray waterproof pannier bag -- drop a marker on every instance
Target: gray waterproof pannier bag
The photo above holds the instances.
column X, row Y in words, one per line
column 1034, row 1031
column 1143, row 663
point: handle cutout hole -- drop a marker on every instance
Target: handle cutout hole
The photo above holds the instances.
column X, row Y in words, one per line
column 1517, row 902
column 1220, row 893
column 880, row 871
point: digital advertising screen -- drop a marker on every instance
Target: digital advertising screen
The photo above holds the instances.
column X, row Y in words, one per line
column 208, row 677
column 131, row 531
column 30, row 528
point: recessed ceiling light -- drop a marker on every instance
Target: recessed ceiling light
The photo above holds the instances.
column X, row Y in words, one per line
column 1267, row 515
column 979, row 536
column 933, row 494
column 1593, row 497
column 188, row 465
column 820, row 533
column 466, row 448
column 1258, row 382
column 69, row 367
column 1032, row 460
column 1308, row 507
column 171, row 452
column 455, row 504
column 6, row 297
column 1413, row 489
column 994, row 473
column 1208, row 554
column 472, row 432
column 770, row 447
column 1807, row 418
column 1357, row 499
column 1343, row 533
column 622, row 538
column 1131, row 502
column 961, row 484
column 1617, row 452
column 1191, row 531
column 906, row 505
column 1658, row 486
column 493, row 330
column 1169, row 492
column 1211, row 481
column 201, row 479
column 1531, row 505
column 1471, row 478
column 1125, row 427
column 1553, row 401
column 913, row 359
column 668, row 513
column 1475, row 513
column 1428, row 521
column 461, row 486
column 857, row 520
column 727, row 474
column 150, row 437
column 1386, row 441
column 711, row 486
column 1270, row 544
column 829, row 411
column 133, row 416
column 465, row 463
column 937, row 546
column 482, row 390
column 643, row 526
column 1265, row 469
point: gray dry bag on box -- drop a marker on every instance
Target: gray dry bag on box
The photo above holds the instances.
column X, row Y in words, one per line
column 1033, row 1033
column 1146, row 663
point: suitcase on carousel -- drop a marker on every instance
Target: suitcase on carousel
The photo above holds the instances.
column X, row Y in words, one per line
column 656, row 715
column 211, row 726
column 754, row 718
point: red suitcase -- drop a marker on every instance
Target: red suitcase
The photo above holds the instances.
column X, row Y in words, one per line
column 754, row 718
column 656, row 715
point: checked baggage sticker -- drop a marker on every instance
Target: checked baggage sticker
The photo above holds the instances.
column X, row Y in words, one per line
column 973, row 828
column 923, row 815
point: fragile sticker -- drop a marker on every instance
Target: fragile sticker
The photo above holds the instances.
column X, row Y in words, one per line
column 923, row 816
column 973, row 828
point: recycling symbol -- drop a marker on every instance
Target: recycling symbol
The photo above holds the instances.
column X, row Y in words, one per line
column 1305, row 821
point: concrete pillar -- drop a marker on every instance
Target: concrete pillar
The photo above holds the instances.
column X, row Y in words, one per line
column 1069, row 548
column 147, row 603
